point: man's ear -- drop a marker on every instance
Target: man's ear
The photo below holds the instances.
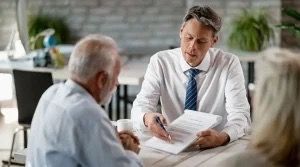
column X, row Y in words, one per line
column 102, row 77
column 215, row 40
column 180, row 32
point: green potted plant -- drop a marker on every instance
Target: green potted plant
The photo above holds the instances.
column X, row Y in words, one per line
column 292, row 27
column 40, row 23
column 251, row 31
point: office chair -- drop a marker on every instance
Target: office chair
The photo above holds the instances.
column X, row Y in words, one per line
column 29, row 87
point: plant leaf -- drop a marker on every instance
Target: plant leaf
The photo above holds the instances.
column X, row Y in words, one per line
column 292, row 13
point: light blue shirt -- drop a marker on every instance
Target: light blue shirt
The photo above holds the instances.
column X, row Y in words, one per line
column 69, row 128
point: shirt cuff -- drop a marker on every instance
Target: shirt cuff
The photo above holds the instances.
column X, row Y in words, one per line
column 133, row 155
column 232, row 133
column 139, row 121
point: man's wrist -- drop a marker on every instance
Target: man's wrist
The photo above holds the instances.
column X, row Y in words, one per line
column 225, row 138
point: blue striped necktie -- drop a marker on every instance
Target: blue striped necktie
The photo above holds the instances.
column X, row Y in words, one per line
column 191, row 90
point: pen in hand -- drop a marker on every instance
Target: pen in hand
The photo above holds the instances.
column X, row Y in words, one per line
column 157, row 119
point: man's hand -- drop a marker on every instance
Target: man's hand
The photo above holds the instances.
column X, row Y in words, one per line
column 154, row 127
column 211, row 138
column 129, row 141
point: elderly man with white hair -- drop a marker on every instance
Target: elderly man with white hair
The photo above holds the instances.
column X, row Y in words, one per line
column 69, row 127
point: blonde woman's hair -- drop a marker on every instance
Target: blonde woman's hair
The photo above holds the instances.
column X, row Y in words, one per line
column 276, row 131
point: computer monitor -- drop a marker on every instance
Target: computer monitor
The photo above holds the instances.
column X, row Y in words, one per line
column 21, row 15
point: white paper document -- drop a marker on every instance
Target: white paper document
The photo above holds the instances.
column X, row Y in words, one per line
column 184, row 131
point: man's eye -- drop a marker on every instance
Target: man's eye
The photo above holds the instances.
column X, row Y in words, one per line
column 189, row 38
column 201, row 41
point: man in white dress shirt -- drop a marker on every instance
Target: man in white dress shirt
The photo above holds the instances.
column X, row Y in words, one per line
column 69, row 127
column 218, row 78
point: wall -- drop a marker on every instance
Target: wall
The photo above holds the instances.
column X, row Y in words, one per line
column 7, row 21
column 229, row 9
column 134, row 24
column 288, row 39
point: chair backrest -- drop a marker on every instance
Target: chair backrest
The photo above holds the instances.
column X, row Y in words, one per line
column 29, row 87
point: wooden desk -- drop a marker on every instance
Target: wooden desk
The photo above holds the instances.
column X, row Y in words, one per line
column 209, row 157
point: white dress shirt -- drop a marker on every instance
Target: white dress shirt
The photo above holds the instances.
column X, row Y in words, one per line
column 220, row 85
column 70, row 129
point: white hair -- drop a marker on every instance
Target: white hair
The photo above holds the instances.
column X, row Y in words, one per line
column 276, row 131
column 92, row 54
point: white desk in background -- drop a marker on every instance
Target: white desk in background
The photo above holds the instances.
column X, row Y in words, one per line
column 132, row 71
column 132, row 74
column 209, row 157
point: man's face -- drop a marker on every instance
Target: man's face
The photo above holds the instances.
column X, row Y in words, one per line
column 111, row 85
column 196, row 38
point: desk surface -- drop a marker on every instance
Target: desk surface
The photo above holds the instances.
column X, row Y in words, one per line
column 209, row 157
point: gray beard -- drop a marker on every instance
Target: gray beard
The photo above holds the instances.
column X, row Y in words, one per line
column 106, row 99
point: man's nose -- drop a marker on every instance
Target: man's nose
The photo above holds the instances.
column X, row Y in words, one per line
column 192, row 45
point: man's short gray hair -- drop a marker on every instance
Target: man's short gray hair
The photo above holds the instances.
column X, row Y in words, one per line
column 205, row 15
column 91, row 55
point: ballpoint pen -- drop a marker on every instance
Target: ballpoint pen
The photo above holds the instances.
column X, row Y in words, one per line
column 157, row 119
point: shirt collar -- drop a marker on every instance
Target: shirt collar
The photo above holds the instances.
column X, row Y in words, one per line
column 75, row 86
column 203, row 66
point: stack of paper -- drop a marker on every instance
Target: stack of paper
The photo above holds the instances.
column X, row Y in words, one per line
column 184, row 131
